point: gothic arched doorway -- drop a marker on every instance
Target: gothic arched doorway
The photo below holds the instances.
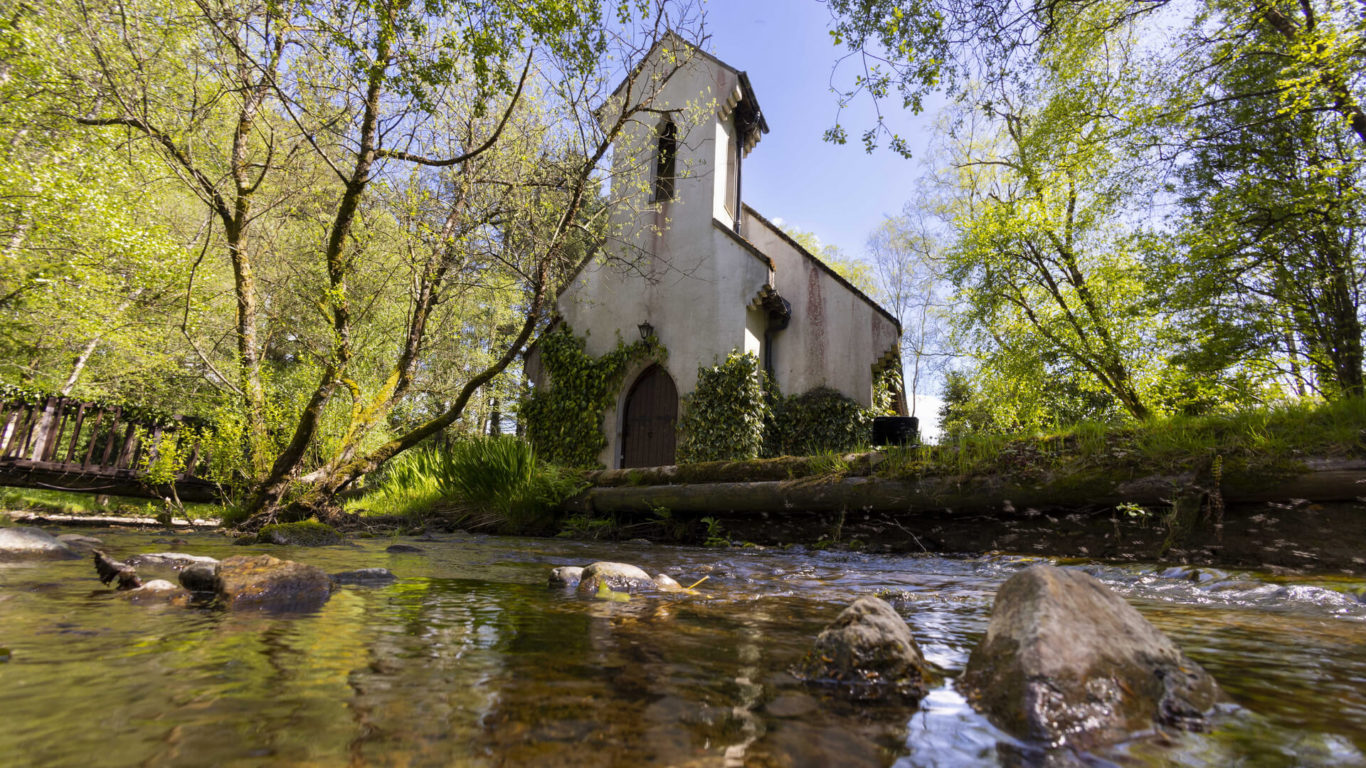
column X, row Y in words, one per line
column 649, row 420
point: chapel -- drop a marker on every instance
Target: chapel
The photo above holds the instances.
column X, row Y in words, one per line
column 706, row 274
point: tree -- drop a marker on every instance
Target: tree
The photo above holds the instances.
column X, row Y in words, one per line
column 908, row 269
column 1038, row 190
column 1270, row 276
column 318, row 131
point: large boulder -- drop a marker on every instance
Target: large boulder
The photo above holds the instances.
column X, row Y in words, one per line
column 267, row 583
column 618, row 577
column 1067, row 661
column 869, row 652
column 32, row 544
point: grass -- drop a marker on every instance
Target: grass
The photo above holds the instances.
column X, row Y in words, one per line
column 481, row 482
column 69, row 503
column 1272, row 440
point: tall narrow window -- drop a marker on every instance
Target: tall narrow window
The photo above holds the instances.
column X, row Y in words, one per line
column 665, row 158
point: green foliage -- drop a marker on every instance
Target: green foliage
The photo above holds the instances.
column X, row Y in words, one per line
column 564, row 420
column 1256, row 444
column 715, row 534
column 723, row 418
column 486, row 481
column 589, row 527
column 819, row 421
column 70, row 503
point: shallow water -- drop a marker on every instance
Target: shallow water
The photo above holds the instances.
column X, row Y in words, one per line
column 470, row 660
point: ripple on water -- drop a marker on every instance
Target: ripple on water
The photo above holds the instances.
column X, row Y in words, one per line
column 469, row 660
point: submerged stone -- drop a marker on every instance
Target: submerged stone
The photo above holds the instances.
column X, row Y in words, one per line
column 402, row 549
column 25, row 543
column 870, row 653
column 80, row 543
column 1067, row 661
column 174, row 560
column 618, row 577
column 667, row 583
column 369, row 577
column 268, row 583
column 157, row 591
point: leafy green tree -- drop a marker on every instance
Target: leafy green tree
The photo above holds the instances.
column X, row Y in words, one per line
column 1270, row 277
column 1045, row 264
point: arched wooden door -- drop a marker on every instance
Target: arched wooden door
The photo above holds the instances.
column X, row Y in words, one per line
column 649, row 421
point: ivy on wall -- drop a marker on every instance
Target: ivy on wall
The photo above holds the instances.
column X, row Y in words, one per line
column 886, row 384
column 737, row 413
column 564, row 421
column 817, row 421
column 723, row 419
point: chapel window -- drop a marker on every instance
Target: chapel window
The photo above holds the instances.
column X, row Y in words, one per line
column 666, row 157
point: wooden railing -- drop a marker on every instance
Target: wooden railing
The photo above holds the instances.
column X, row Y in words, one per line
column 68, row 444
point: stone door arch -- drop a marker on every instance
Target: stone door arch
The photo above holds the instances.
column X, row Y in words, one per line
column 650, row 420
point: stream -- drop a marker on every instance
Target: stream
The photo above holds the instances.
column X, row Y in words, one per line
column 470, row 660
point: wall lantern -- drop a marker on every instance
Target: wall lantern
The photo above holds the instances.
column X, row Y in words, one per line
column 646, row 330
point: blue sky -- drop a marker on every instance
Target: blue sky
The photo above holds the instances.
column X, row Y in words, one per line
column 841, row 193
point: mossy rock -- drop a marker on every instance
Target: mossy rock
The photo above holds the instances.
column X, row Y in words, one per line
column 305, row 533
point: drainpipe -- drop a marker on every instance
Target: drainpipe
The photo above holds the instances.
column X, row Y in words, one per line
column 779, row 315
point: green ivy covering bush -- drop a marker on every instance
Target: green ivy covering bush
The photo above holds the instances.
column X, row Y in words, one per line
column 723, row 419
column 564, row 421
column 818, row 421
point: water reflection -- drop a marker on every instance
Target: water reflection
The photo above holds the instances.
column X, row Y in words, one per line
column 469, row 660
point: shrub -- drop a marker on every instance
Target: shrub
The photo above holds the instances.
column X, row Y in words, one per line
column 723, row 419
column 818, row 421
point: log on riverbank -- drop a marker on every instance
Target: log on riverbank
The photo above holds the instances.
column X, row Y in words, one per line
column 1310, row 520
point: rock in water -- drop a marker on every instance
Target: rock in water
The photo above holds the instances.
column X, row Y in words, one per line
column 869, row 651
column 618, row 577
column 157, row 591
column 173, row 560
column 566, row 576
column 32, row 544
column 305, row 533
column 200, row 577
column 367, row 577
column 1067, row 661
column 268, row 583
column 79, row 543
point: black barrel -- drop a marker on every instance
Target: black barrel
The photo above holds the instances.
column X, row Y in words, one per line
column 896, row 430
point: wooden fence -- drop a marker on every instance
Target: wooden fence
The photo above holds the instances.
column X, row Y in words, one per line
column 65, row 444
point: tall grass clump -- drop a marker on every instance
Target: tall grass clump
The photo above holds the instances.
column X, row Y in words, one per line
column 484, row 481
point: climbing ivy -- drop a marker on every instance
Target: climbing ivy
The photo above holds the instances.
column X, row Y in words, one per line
column 723, row 419
column 886, row 383
column 737, row 413
column 564, row 421
column 817, row 421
